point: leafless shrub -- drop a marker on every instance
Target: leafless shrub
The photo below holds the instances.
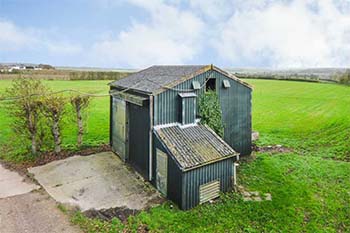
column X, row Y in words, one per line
column 53, row 107
column 80, row 103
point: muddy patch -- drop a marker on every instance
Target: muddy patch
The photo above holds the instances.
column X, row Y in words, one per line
column 121, row 213
column 274, row 149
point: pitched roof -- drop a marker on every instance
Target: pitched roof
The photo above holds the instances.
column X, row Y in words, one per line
column 155, row 77
column 195, row 145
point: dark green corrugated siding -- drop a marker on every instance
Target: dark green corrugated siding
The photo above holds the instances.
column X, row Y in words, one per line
column 188, row 110
column 174, row 188
column 166, row 104
column 192, row 180
column 236, row 113
column 235, row 103
column 139, row 138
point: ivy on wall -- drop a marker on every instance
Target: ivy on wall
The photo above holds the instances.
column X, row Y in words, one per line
column 210, row 112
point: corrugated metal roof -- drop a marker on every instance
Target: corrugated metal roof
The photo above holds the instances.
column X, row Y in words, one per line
column 155, row 77
column 195, row 145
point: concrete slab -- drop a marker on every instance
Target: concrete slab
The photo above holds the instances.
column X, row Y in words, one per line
column 99, row 181
column 33, row 212
column 12, row 184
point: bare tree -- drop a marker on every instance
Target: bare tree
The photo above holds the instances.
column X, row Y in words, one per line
column 80, row 103
column 54, row 108
column 25, row 108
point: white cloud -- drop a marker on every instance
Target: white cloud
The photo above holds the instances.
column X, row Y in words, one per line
column 274, row 33
column 171, row 36
column 213, row 9
column 287, row 34
column 14, row 39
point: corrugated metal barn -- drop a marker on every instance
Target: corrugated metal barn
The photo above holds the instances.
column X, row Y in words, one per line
column 155, row 126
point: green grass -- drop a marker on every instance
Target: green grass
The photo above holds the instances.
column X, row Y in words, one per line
column 97, row 129
column 310, row 187
column 312, row 118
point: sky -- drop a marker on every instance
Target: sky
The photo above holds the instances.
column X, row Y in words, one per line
column 140, row 33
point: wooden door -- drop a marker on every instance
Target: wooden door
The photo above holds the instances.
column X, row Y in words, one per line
column 119, row 128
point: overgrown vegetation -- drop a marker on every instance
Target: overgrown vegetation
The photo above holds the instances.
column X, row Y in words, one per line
column 210, row 112
column 25, row 110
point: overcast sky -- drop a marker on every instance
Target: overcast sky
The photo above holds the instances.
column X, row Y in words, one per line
column 139, row 33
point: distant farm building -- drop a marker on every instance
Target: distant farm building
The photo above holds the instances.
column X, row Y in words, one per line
column 155, row 126
column 13, row 67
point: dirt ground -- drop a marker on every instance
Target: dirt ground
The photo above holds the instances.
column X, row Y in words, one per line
column 33, row 212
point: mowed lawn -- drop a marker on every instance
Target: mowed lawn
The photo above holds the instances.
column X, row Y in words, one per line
column 310, row 187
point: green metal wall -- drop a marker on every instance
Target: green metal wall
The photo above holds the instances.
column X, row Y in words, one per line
column 236, row 113
column 183, row 187
column 166, row 104
column 188, row 110
column 235, row 103
column 174, row 189
column 139, row 138
column 193, row 179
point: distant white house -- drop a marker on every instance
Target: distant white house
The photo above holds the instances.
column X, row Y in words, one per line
column 10, row 67
column 15, row 68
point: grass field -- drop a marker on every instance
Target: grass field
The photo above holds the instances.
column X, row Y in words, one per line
column 97, row 129
column 310, row 187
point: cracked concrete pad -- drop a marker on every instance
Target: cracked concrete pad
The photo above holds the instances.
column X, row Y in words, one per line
column 12, row 184
column 33, row 212
column 99, row 181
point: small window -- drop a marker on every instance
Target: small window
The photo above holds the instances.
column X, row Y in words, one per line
column 211, row 84
column 196, row 85
column 226, row 84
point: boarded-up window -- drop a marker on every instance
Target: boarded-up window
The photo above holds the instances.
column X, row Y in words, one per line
column 209, row 191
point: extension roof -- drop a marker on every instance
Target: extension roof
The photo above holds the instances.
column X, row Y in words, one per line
column 194, row 146
column 156, row 79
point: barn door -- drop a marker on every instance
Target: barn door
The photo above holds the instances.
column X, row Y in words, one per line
column 162, row 172
column 119, row 128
